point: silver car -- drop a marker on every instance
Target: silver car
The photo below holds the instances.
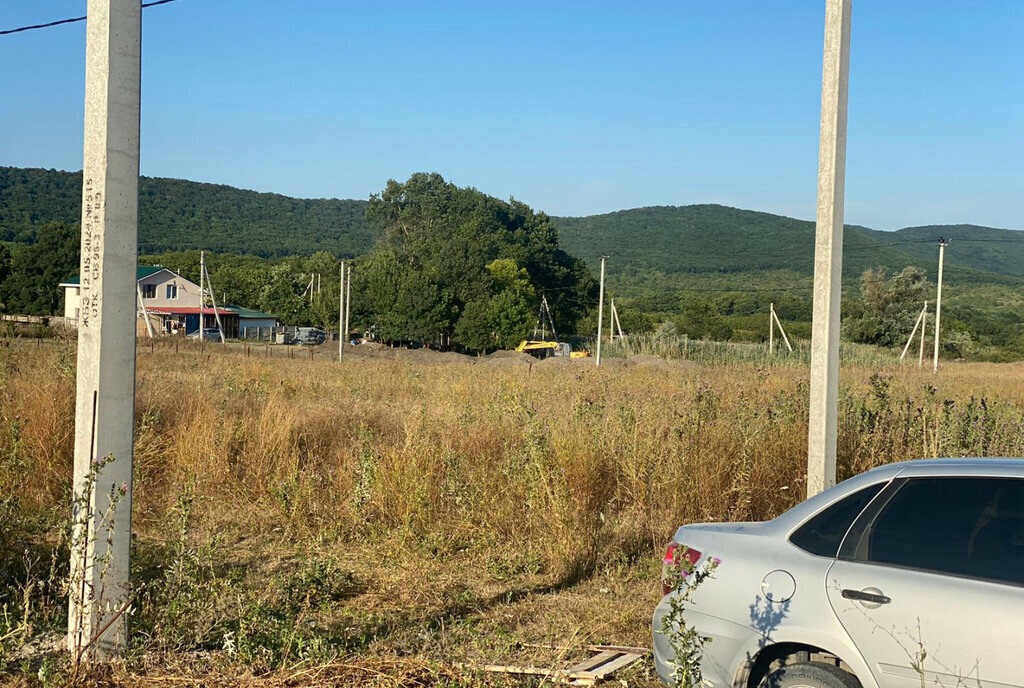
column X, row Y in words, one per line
column 909, row 575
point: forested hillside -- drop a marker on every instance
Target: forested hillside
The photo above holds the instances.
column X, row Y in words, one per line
column 700, row 239
column 175, row 215
column 706, row 270
column 711, row 241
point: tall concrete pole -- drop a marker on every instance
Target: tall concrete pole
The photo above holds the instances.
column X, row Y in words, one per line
column 202, row 294
column 924, row 325
column 938, row 305
column 828, row 250
column 910, row 339
column 348, row 299
column 771, row 328
column 341, row 314
column 105, row 391
column 600, row 311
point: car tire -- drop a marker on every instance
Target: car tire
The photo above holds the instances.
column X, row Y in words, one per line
column 810, row 675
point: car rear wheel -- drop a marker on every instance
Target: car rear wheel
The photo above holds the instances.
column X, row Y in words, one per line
column 810, row 675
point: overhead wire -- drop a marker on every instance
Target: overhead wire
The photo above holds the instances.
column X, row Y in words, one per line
column 71, row 20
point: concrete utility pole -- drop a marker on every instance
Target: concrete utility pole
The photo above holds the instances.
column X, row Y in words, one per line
column 600, row 311
column 938, row 304
column 341, row 315
column 771, row 328
column 920, row 323
column 105, row 393
column 924, row 325
column 828, row 249
column 202, row 294
column 782, row 330
column 616, row 323
column 216, row 313
column 348, row 299
column 611, row 319
column 144, row 310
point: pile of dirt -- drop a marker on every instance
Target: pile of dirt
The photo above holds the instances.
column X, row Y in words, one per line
column 563, row 361
column 503, row 357
column 433, row 356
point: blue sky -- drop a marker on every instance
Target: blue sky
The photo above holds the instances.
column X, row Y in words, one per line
column 573, row 107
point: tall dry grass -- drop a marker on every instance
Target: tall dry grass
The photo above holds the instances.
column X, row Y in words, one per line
column 254, row 473
column 565, row 463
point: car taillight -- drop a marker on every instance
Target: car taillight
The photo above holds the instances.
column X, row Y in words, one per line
column 673, row 565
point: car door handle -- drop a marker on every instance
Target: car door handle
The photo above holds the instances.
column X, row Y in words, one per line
column 864, row 596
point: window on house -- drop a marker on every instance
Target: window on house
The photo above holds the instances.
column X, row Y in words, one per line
column 172, row 291
column 149, row 291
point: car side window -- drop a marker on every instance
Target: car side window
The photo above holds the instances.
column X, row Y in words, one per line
column 824, row 532
column 964, row 526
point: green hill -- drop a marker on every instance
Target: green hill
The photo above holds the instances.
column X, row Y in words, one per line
column 981, row 248
column 713, row 241
column 739, row 259
column 175, row 214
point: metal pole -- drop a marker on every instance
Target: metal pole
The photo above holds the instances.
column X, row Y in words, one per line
column 828, row 250
column 600, row 311
column 938, row 305
column 105, row 391
column 341, row 314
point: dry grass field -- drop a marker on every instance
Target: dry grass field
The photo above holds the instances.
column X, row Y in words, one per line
column 387, row 520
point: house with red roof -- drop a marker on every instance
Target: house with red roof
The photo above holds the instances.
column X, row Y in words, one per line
column 171, row 303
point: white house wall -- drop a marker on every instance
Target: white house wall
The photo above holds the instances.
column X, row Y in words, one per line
column 187, row 292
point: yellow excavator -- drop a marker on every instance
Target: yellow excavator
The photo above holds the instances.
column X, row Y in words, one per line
column 544, row 347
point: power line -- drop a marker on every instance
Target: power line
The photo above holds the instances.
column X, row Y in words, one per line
column 72, row 20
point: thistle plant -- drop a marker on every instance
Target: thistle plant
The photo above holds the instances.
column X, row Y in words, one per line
column 687, row 644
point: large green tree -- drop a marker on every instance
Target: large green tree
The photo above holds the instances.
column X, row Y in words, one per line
column 433, row 274
column 887, row 308
column 36, row 270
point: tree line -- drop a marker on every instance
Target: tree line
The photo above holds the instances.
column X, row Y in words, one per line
column 454, row 266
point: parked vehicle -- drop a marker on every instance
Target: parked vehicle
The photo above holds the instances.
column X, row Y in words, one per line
column 545, row 348
column 210, row 334
column 309, row 336
column 907, row 575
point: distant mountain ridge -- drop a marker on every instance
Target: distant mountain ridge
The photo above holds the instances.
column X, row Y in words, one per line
column 689, row 240
column 176, row 214
column 699, row 239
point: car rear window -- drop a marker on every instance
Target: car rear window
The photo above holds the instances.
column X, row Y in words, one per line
column 964, row 526
column 824, row 532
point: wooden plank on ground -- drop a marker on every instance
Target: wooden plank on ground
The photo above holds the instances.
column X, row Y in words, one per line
column 619, row 661
column 592, row 663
